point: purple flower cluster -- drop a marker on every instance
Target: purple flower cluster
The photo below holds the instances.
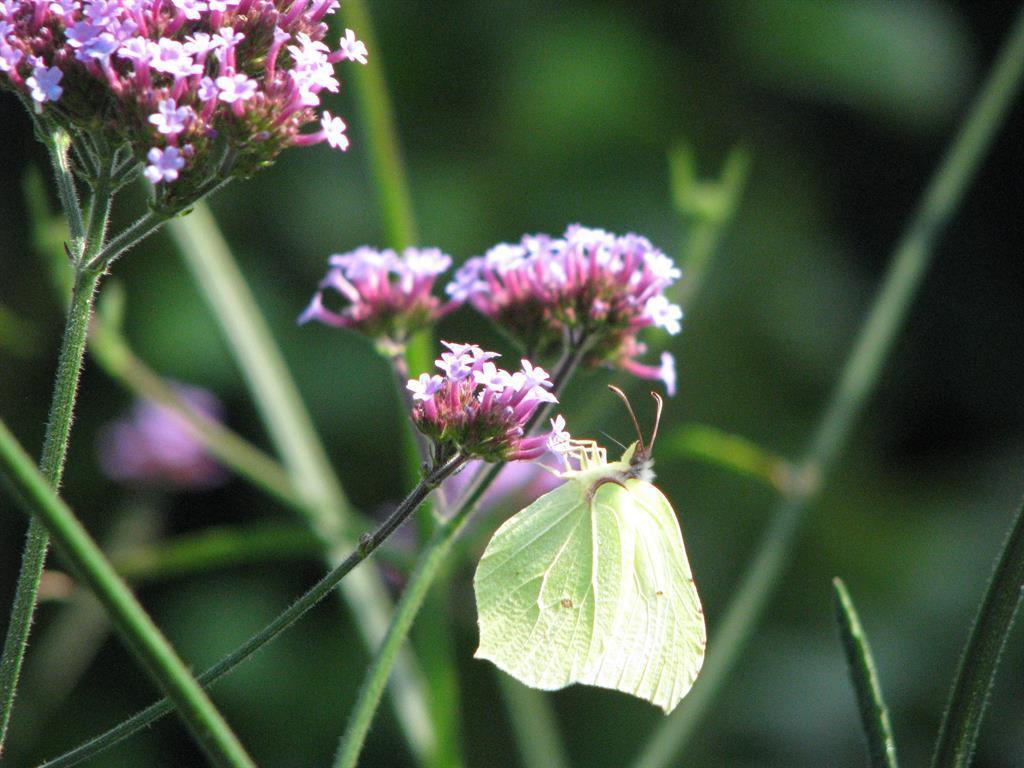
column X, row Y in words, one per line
column 597, row 288
column 480, row 410
column 155, row 446
column 196, row 87
column 386, row 296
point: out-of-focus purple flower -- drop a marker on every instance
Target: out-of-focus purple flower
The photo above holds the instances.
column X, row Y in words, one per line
column 383, row 295
column 598, row 289
column 236, row 79
column 479, row 410
column 153, row 445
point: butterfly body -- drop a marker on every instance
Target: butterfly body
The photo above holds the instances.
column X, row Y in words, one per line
column 590, row 584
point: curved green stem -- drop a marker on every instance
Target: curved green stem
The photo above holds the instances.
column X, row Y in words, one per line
column 857, row 382
column 140, row 633
column 976, row 673
column 314, row 595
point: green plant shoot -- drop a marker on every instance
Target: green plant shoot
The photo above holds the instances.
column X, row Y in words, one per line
column 590, row 584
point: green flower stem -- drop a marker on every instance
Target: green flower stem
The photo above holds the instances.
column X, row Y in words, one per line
column 136, row 232
column 215, row 548
column 292, row 432
column 390, row 180
column 139, row 632
column 858, row 380
column 976, row 673
column 64, row 651
column 117, row 359
column 59, row 143
column 431, row 564
column 58, row 432
column 378, row 115
column 219, row 547
column 367, row 544
column 874, row 715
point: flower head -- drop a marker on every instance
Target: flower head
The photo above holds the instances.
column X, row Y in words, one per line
column 155, row 446
column 480, row 410
column 383, row 295
column 599, row 289
column 236, row 79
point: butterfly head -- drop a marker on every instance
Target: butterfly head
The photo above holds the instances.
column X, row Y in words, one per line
column 640, row 456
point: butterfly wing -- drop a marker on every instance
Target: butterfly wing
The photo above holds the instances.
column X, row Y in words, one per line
column 593, row 590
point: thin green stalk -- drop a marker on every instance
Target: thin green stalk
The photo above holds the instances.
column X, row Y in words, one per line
column 219, row 547
column 378, row 116
column 58, row 432
column 859, row 377
column 431, row 563
column 390, row 180
column 300, row 448
column 117, row 359
column 533, row 724
column 214, row 548
column 36, row 494
column 135, row 233
column 975, row 676
column 367, row 545
column 874, row 715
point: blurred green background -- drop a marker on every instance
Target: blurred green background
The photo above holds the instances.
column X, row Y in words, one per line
column 524, row 117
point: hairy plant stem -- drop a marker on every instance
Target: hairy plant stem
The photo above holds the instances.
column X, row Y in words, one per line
column 139, row 632
column 961, row 723
column 856, row 383
column 58, row 426
column 430, row 564
column 367, row 544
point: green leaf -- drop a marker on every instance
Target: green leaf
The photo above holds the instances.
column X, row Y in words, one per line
column 976, row 674
column 590, row 584
column 873, row 713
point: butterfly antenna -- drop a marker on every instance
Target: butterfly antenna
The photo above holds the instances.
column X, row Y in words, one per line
column 636, row 424
column 612, row 439
column 657, row 419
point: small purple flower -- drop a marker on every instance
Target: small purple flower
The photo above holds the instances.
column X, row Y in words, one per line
column 156, row 446
column 235, row 88
column 170, row 119
column 164, row 164
column 351, row 48
column 44, row 84
column 480, row 410
column 384, row 295
column 598, row 289
column 334, row 131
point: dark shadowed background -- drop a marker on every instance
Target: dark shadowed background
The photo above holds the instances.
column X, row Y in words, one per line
column 524, row 117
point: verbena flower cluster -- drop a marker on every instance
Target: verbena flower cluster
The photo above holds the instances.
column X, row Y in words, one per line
column 599, row 288
column 194, row 86
column 480, row 410
column 155, row 446
column 384, row 295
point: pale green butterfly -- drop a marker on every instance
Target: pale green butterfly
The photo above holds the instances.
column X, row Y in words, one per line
column 590, row 584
